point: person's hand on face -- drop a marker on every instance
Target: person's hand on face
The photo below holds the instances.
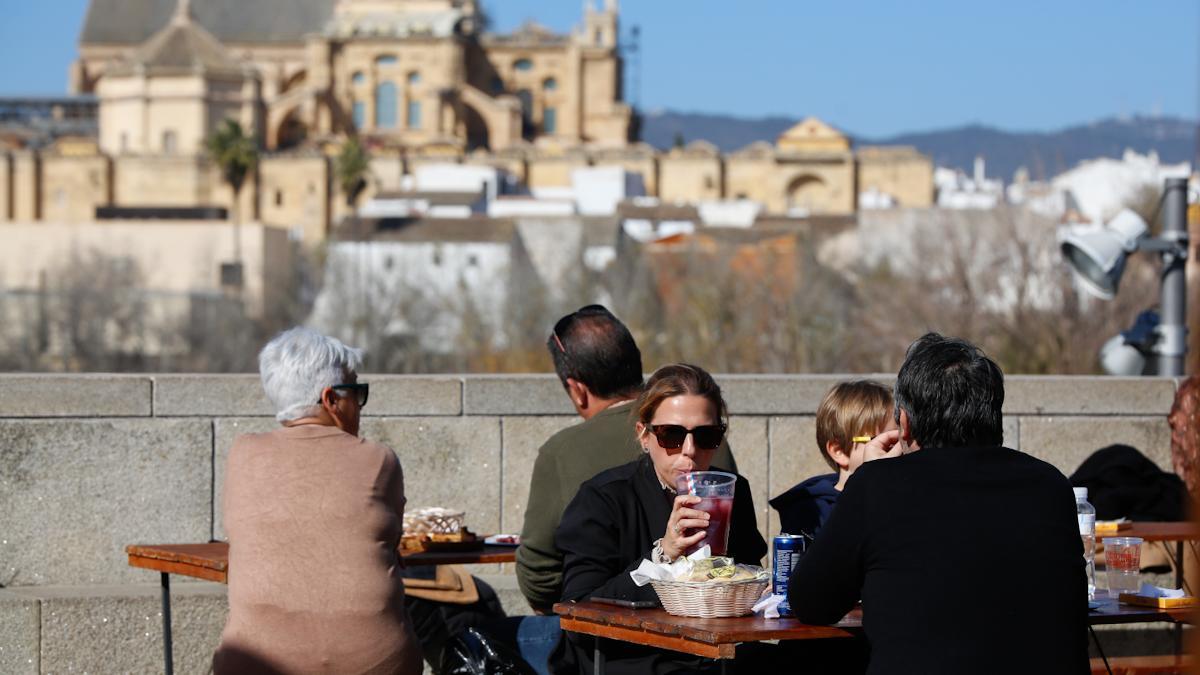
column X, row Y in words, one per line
column 884, row 446
column 865, row 452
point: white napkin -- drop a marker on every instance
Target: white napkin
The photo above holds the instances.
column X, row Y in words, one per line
column 768, row 606
column 648, row 571
column 1151, row 591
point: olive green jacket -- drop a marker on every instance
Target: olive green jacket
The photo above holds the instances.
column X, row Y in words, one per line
column 563, row 463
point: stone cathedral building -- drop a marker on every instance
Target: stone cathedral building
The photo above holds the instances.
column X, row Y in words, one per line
column 422, row 81
column 406, row 73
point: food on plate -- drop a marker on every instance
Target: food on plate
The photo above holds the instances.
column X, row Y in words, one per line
column 720, row 569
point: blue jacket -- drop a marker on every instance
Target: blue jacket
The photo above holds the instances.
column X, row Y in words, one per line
column 805, row 508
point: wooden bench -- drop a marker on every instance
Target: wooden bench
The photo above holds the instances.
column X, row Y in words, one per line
column 1166, row 664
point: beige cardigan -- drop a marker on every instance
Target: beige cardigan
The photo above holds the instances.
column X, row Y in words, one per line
column 313, row 516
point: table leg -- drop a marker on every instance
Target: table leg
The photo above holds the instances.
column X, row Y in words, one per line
column 1179, row 564
column 1179, row 584
column 166, row 612
column 598, row 659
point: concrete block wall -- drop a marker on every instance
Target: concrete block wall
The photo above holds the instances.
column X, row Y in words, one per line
column 91, row 463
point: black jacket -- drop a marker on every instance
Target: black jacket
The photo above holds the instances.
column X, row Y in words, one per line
column 804, row 509
column 605, row 533
column 967, row 560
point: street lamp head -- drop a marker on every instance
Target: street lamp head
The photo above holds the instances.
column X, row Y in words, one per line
column 1127, row 352
column 1098, row 255
column 1118, row 357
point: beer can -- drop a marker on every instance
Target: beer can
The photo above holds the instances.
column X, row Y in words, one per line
column 787, row 552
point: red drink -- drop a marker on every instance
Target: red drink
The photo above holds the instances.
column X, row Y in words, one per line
column 716, row 535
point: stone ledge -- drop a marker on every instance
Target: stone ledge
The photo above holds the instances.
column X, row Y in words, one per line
column 1087, row 395
column 242, row 395
column 184, row 395
column 210, row 395
column 53, row 395
column 783, row 394
column 514, row 395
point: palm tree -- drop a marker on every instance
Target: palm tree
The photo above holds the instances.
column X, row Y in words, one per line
column 350, row 170
column 236, row 154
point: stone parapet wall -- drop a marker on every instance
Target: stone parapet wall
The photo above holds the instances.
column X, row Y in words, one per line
column 91, row 463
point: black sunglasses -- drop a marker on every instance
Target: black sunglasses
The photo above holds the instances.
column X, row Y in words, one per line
column 361, row 391
column 671, row 436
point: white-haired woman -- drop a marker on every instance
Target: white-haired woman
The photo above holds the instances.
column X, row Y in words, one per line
column 313, row 515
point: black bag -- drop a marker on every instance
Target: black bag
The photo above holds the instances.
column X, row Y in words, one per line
column 470, row 652
column 1124, row 483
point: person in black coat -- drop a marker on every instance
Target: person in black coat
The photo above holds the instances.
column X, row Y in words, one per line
column 966, row 555
column 631, row 512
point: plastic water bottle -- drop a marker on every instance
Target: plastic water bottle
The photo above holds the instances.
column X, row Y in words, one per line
column 1087, row 531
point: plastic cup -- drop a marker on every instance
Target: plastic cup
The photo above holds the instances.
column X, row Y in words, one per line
column 1122, row 564
column 715, row 490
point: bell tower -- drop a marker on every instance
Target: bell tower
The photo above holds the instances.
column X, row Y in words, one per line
column 600, row 26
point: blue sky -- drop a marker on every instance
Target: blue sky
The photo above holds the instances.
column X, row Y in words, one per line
column 872, row 68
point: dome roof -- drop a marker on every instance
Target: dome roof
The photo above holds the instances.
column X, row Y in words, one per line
column 182, row 46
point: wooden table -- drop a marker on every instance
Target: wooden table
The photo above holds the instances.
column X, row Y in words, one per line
column 1178, row 532
column 711, row 638
column 211, row 563
column 718, row 638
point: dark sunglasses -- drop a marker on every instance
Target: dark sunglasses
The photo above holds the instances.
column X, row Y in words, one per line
column 671, row 436
column 361, row 391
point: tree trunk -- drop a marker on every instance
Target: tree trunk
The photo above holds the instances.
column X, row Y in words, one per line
column 1192, row 363
column 237, row 225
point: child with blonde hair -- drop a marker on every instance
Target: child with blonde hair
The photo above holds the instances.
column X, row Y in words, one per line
column 850, row 414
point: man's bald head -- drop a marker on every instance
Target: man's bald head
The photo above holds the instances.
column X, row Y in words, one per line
column 593, row 347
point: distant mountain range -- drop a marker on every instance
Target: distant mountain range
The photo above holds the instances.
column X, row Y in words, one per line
column 1044, row 154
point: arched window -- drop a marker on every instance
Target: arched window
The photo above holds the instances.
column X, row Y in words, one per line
column 386, row 60
column 168, row 142
column 414, row 78
column 549, row 121
column 360, row 114
column 497, row 85
column 526, row 98
column 522, row 65
column 550, row 84
column 414, row 114
column 385, row 106
column 358, row 78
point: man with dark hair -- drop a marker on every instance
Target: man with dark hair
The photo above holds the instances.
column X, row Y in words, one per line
column 966, row 555
column 600, row 367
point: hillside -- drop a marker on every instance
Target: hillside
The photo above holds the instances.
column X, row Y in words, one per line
column 1045, row 154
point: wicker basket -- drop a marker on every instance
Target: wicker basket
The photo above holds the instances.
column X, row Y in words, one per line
column 709, row 599
column 433, row 520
